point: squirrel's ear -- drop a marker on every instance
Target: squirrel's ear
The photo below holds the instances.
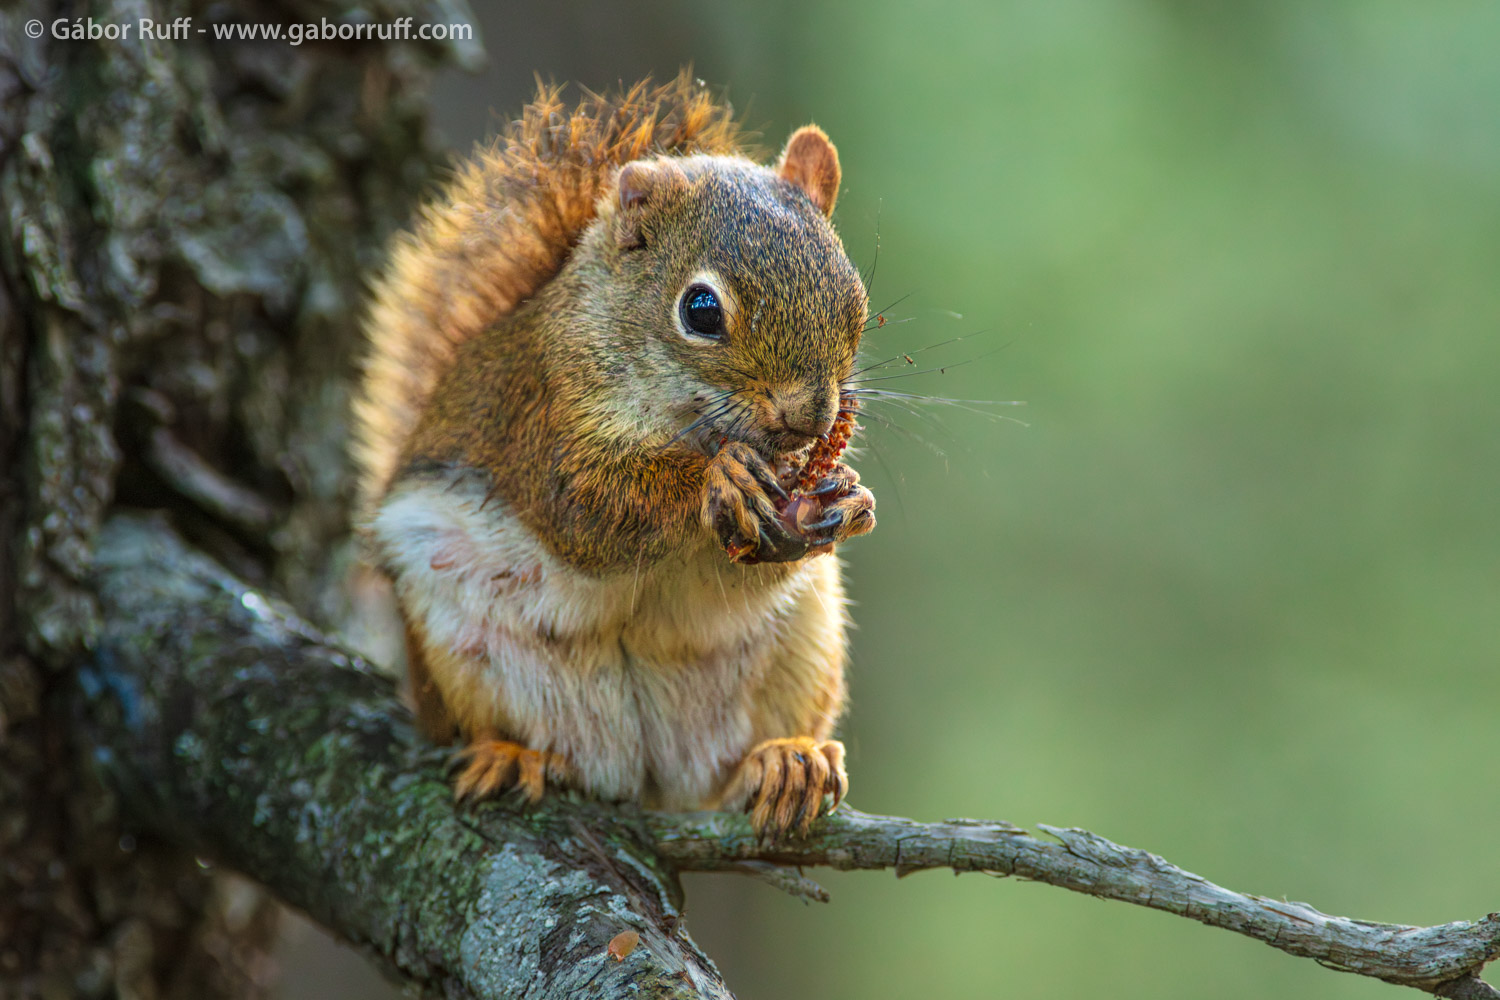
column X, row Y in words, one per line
column 811, row 163
column 637, row 180
column 638, row 184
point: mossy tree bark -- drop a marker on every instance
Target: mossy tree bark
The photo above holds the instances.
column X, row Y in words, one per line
column 185, row 227
column 231, row 726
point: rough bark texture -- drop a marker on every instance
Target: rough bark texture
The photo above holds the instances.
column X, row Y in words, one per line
column 226, row 723
column 229, row 725
column 1443, row 959
column 183, row 229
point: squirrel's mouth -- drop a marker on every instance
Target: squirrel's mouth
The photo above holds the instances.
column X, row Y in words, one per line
column 708, row 427
column 787, row 443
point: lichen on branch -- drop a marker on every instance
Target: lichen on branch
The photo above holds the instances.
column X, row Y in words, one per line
column 230, row 726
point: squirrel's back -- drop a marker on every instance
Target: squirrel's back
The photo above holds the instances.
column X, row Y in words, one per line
column 503, row 227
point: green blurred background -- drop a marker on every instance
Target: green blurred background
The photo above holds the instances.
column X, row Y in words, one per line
column 1231, row 592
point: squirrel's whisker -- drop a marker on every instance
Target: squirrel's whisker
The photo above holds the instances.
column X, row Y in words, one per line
column 906, row 406
column 897, row 482
column 875, row 325
column 705, row 418
column 911, row 435
column 940, row 369
column 869, row 279
column 887, row 395
column 907, row 355
column 874, row 319
column 913, row 403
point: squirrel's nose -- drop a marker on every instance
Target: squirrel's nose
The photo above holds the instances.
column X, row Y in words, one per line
column 810, row 414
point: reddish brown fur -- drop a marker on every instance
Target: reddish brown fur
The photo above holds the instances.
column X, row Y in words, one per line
column 523, row 353
column 507, row 222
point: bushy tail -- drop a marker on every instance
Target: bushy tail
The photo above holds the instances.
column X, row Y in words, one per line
column 503, row 227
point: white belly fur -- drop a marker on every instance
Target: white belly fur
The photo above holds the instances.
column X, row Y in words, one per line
column 643, row 679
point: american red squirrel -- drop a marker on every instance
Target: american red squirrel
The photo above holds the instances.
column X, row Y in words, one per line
column 596, row 368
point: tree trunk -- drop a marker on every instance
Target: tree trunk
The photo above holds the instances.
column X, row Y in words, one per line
column 186, row 226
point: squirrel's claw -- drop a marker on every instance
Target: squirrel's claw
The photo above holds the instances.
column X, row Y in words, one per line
column 851, row 515
column 782, row 784
column 774, row 541
column 489, row 766
column 766, row 476
column 779, row 542
column 737, row 507
column 836, row 510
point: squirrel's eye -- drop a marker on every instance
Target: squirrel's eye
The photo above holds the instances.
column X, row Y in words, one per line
column 701, row 312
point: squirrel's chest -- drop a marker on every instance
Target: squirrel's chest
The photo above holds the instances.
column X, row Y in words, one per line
column 633, row 676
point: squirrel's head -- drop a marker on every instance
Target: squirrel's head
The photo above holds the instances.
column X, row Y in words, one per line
column 723, row 283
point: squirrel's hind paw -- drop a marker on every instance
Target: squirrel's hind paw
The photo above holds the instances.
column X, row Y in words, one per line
column 489, row 766
column 782, row 784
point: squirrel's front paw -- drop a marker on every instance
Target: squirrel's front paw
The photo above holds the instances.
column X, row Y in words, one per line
column 489, row 766
column 781, row 783
column 836, row 509
column 738, row 507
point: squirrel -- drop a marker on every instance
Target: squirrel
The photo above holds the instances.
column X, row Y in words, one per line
column 597, row 367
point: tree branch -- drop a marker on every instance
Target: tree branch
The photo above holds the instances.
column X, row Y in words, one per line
column 228, row 725
column 1435, row 959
